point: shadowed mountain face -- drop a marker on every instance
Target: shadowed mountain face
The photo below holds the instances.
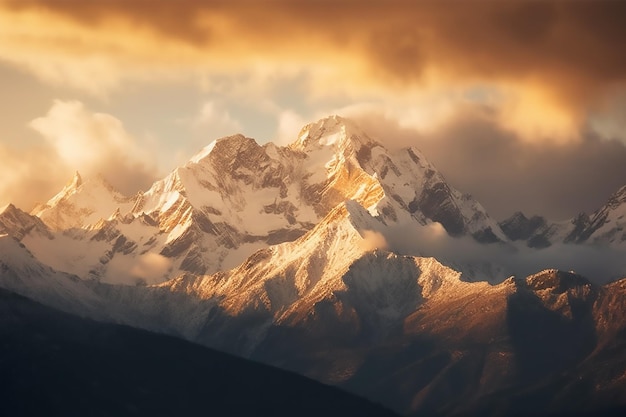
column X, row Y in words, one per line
column 549, row 344
column 55, row 364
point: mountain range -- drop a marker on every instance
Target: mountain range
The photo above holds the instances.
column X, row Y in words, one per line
column 321, row 257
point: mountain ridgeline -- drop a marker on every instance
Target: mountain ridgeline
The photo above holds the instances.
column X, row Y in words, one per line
column 297, row 257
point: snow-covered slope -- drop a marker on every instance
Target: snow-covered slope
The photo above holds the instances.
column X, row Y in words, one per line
column 286, row 254
column 235, row 197
column 18, row 223
column 332, row 281
column 22, row 273
column 81, row 204
column 411, row 185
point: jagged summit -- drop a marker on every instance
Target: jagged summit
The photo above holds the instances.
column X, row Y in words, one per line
column 70, row 188
column 555, row 280
column 76, row 181
column 617, row 198
column 18, row 223
column 7, row 208
column 82, row 203
column 603, row 227
column 520, row 227
column 219, row 146
column 333, row 131
column 236, row 196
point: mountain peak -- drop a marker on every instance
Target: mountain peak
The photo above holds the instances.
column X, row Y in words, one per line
column 207, row 150
column 71, row 187
column 333, row 131
column 8, row 208
column 203, row 153
column 76, row 180
column 556, row 280
column 18, row 223
column 618, row 198
column 81, row 203
column 73, row 184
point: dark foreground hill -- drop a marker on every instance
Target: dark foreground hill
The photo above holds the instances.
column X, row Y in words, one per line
column 55, row 364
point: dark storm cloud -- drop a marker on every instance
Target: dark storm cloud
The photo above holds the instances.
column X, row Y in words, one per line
column 506, row 174
column 575, row 47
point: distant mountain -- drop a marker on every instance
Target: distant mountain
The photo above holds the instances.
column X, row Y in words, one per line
column 605, row 227
column 82, row 203
column 55, row 364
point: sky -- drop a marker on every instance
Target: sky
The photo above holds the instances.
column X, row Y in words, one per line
column 520, row 103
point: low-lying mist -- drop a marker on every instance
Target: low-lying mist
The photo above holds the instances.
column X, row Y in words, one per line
column 497, row 261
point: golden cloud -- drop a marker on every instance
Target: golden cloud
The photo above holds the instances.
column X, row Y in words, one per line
column 74, row 139
column 553, row 58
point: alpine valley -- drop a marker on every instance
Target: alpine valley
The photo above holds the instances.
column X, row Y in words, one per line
column 347, row 262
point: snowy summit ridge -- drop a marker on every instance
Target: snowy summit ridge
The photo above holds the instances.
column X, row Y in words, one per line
column 236, row 197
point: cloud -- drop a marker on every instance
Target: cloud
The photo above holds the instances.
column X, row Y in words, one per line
column 289, row 125
column 213, row 121
column 150, row 268
column 216, row 119
column 535, row 75
column 495, row 262
column 566, row 52
column 28, row 176
column 74, row 138
column 96, row 144
column 373, row 240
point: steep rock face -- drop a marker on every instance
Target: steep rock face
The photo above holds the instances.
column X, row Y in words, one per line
column 407, row 187
column 533, row 230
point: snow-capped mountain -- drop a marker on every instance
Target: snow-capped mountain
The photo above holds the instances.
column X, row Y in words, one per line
column 18, row 223
column 235, row 197
column 82, row 203
column 604, row 227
